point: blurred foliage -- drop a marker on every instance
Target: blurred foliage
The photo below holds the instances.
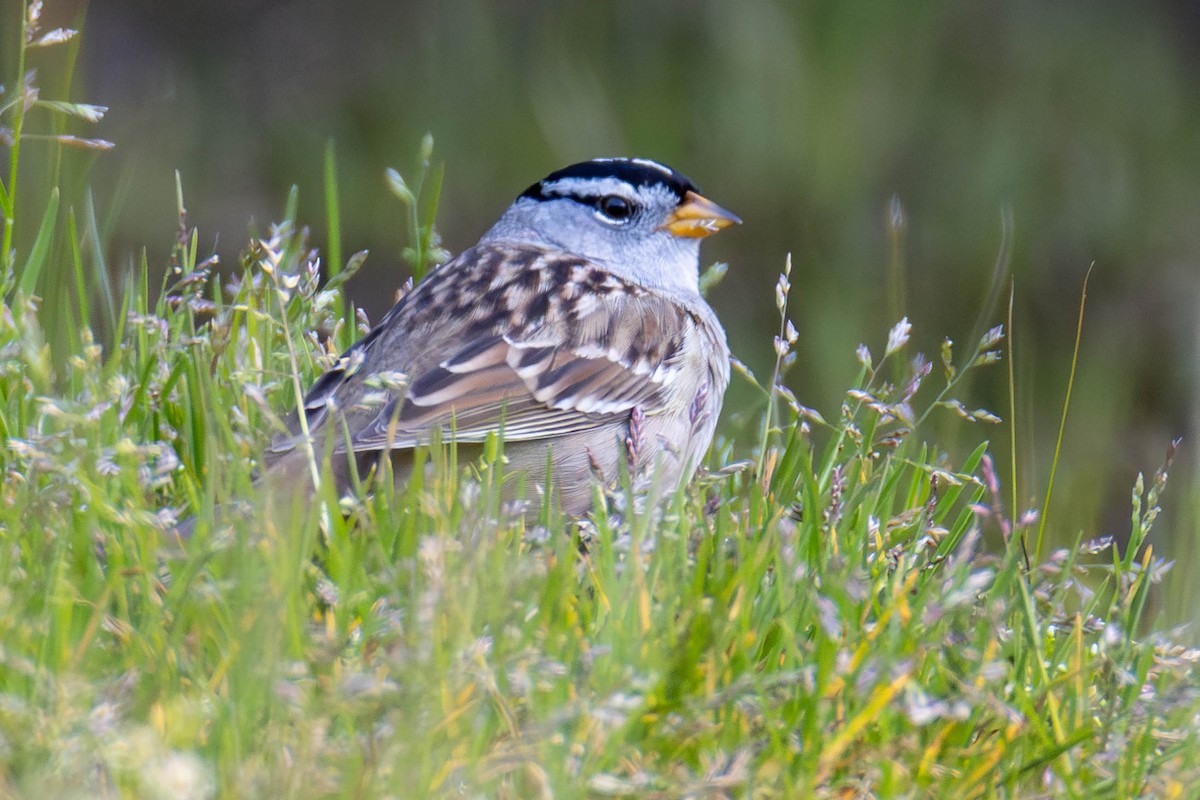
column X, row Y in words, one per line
column 1078, row 121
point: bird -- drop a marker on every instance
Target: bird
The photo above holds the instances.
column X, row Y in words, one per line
column 574, row 330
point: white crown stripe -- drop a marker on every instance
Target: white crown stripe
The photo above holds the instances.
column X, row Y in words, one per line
column 641, row 162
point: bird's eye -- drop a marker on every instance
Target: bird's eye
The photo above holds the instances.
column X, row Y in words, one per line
column 615, row 208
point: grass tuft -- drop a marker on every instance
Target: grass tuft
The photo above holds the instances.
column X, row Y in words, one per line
column 832, row 623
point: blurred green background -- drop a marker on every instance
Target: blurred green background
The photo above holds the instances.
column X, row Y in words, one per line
column 1078, row 123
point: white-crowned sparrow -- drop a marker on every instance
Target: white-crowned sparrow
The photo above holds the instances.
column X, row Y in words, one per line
column 575, row 325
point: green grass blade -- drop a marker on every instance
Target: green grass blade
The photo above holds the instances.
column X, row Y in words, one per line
column 1062, row 424
column 38, row 253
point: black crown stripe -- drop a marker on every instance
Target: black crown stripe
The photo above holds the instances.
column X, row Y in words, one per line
column 636, row 172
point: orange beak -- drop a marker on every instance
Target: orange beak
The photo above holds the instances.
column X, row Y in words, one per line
column 699, row 217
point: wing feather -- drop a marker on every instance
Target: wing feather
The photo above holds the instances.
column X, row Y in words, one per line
column 482, row 356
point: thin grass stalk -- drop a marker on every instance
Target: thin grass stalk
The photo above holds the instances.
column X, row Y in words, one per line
column 1062, row 424
column 7, row 254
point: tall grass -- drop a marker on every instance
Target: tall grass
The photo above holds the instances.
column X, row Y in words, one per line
column 834, row 609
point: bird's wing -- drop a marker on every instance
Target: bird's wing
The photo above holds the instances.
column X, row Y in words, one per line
column 506, row 338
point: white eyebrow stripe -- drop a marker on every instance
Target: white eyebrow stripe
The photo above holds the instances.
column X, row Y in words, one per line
column 589, row 187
